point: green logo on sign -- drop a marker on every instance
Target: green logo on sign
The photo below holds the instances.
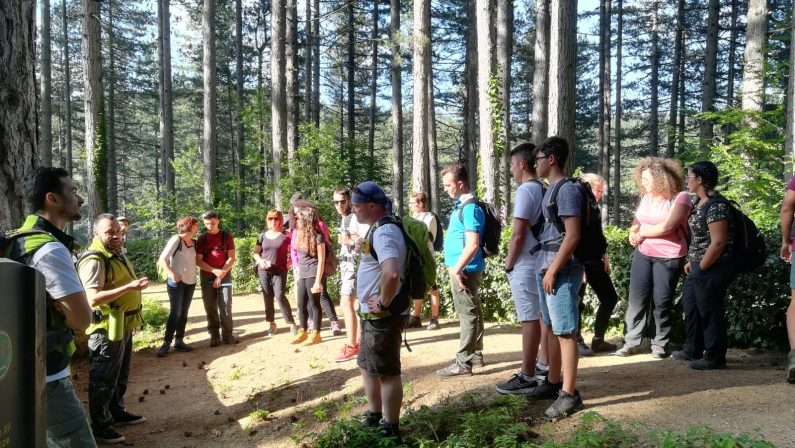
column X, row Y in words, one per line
column 5, row 354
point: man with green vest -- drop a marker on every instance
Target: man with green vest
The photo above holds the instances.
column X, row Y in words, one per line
column 114, row 292
column 42, row 244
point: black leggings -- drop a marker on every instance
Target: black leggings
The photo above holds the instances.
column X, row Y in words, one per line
column 309, row 302
column 272, row 283
column 602, row 286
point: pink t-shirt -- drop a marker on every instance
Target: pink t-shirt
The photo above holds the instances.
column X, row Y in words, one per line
column 651, row 212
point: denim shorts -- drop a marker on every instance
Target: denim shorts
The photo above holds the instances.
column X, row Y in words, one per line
column 792, row 276
column 559, row 309
column 524, row 289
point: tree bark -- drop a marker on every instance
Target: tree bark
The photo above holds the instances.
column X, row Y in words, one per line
column 240, row 198
column 562, row 72
column 210, row 105
column 316, row 63
column 278, row 95
column 397, row 106
column 488, row 165
column 710, row 68
column 45, row 124
column 541, row 73
column 113, row 198
column 654, row 120
column 504, row 53
column 67, row 88
column 373, row 94
column 17, row 106
column 308, row 62
column 291, row 78
column 95, row 146
column 166, row 101
column 471, row 101
column 676, row 63
column 619, row 112
column 420, row 172
column 351, row 78
column 605, row 19
column 731, row 69
column 789, row 140
column 753, row 73
column 433, row 149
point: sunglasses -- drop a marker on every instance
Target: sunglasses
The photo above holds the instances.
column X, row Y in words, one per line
column 344, row 201
column 273, row 218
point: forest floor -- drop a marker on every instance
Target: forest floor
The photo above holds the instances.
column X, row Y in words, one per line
column 216, row 396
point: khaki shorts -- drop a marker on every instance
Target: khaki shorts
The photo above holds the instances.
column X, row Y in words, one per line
column 379, row 351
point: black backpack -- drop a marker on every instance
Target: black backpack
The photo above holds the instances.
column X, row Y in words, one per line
column 539, row 226
column 492, row 229
column 593, row 244
column 750, row 249
column 438, row 242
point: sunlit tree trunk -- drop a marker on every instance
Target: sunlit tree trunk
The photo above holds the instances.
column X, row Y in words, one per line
column 562, row 71
column 604, row 98
column 420, row 171
column 541, row 73
column 240, row 197
column 654, row 120
column 397, row 107
column 373, row 93
column 166, row 101
column 756, row 39
column 210, row 104
column 619, row 111
column 504, row 52
column 676, row 68
column 291, row 79
column 278, row 95
column 706, row 132
column 95, row 146
column 45, row 124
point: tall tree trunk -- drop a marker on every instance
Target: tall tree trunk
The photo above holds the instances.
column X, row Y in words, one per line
column 261, row 174
column 605, row 22
column 95, row 144
column 291, row 78
column 732, row 62
column 471, row 103
column 756, row 39
column 240, row 198
column 789, row 141
column 562, row 70
column 351, row 78
column 541, row 72
column 210, row 105
column 166, row 103
column 397, row 106
column 373, row 93
column 504, row 53
column 420, row 169
column 680, row 127
column 654, row 119
column 17, row 106
column 675, row 92
column 433, row 149
column 278, row 95
column 45, row 125
column 67, row 87
column 316, row 62
column 710, row 68
column 308, row 62
column 619, row 111
column 488, row 161
column 113, row 198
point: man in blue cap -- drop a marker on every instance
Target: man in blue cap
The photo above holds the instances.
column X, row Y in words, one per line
column 383, row 306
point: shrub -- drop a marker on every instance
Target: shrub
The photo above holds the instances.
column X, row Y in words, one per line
column 154, row 314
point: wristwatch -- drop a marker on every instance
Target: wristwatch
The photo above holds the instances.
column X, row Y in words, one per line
column 509, row 270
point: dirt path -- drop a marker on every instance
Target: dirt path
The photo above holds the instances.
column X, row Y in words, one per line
column 206, row 398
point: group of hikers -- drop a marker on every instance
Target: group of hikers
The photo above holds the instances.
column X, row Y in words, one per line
column 682, row 225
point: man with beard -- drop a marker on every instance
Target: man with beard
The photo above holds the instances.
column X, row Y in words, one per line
column 114, row 292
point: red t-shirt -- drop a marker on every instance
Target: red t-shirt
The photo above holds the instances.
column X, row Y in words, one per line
column 211, row 249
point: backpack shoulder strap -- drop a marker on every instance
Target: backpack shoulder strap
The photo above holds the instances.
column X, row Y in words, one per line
column 381, row 222
column 472, row 200
column 553, row 205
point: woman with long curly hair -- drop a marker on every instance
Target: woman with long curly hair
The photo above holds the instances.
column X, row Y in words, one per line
column 310, row 242
column 659, row 234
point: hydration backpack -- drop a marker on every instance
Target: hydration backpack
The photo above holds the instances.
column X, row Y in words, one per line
column 750, row 249
column 492, row 228
column 592, row 245
column 420, row 263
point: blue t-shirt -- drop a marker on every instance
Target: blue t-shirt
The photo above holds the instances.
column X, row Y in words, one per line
column 472, row 220
column 569, row 204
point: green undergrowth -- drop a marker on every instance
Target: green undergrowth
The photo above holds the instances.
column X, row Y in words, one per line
column 476, row 421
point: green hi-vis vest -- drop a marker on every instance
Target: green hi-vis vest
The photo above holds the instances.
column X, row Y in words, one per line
column 20, row 245
column 118, row 272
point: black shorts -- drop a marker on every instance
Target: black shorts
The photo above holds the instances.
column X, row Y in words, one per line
column 379, row 351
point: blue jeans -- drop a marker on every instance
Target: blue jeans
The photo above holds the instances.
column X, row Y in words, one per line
column 179, row 296
column 67, row 425
column 218, row 306
column 559, row 309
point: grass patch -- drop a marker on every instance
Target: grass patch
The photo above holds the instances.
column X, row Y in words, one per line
column 258, row 415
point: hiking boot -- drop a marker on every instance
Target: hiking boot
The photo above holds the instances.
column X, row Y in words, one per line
column 564, row 406
column 708, row 364
column 628, row 350
column 231, row 340
column 271, row 331
column 215, row 340
column 314, row 338
column 372, row 419
column 477, row 360
column 125, row 418
column 791, row 367
column 181, row 346
column 391, row 430
column 347, row 353
column 108, row 435
column 300, row 336
column 658, row 352
column 163, row 350
column 335, row 328
column 546, row 391
column 600, row 345
column 454, row 369
column 681, row 355
column 517, row 385
column 433, row 324
column 584, row 350
column 414, row 322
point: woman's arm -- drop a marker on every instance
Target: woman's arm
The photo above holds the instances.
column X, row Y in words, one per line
column 321, row 264
column 676, row 217
column 719, row 238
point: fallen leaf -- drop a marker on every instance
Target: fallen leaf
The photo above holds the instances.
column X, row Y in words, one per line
column 146, row 391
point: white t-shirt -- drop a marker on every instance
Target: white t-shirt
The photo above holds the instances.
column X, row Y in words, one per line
column 388, row 243
column 527, row 206
column 183, row 261
column 432, row 224
column 54, row 261
column 354, row 226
